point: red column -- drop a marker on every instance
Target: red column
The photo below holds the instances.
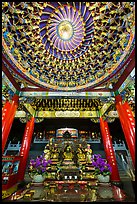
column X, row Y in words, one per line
column 128, row 124
column 110, row 155
column 5, row 111
column 25, row 147
column 8, row 119
column 130, row 117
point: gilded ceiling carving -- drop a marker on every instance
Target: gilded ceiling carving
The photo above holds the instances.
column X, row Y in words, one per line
column 68, row 46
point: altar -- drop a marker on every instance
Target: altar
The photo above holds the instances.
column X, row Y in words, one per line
column 70, row 178
column 71, row 162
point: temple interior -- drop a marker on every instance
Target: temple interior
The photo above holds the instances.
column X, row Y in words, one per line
column 68, row 101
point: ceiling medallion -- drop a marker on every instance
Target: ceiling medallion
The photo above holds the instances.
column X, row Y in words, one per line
column 65, row 30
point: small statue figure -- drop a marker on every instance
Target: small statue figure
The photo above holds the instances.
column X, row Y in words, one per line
column 51, row 141
column 93, row 194
column 47, row 153
column 88, row 154
column 80, row 153
column 55, row 153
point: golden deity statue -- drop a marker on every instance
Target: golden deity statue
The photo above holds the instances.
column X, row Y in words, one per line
column 68, row 155
column 55, row 153
column 80, row 153
column 47, row 153
column 88, row 154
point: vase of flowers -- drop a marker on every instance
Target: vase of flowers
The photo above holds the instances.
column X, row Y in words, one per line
column 103, row 179
column 102, row 168
column 37, row 168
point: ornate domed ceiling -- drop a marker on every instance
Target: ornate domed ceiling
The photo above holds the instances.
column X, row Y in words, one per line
column 68, row 46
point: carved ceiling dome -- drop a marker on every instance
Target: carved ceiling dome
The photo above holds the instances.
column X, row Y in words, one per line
column 68, row 46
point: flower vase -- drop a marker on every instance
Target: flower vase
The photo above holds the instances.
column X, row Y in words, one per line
column 38, row 178
column 103, row 179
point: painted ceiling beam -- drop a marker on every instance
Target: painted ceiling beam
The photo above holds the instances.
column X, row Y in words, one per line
column 125, row 74
column 105, row 108
column 25, row 89
column 64, row 114
column 29, row 108
column 129, row 80
column 20, row 114
column 86, row 95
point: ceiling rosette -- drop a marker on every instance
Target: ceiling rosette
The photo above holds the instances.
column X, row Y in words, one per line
column 65, row 30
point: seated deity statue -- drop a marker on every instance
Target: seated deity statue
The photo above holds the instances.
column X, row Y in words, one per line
column 50, row 144
column 88, row 153
column 68, row 155
column 80, row 153
column 51, row 141
column 47, row 154
column 55, row 153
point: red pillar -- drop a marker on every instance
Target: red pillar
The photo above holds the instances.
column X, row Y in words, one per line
column 8, row 119
column 5, row 111
column 128, row 124
column 25, row 147
column 130, row 117
column 110, row 155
